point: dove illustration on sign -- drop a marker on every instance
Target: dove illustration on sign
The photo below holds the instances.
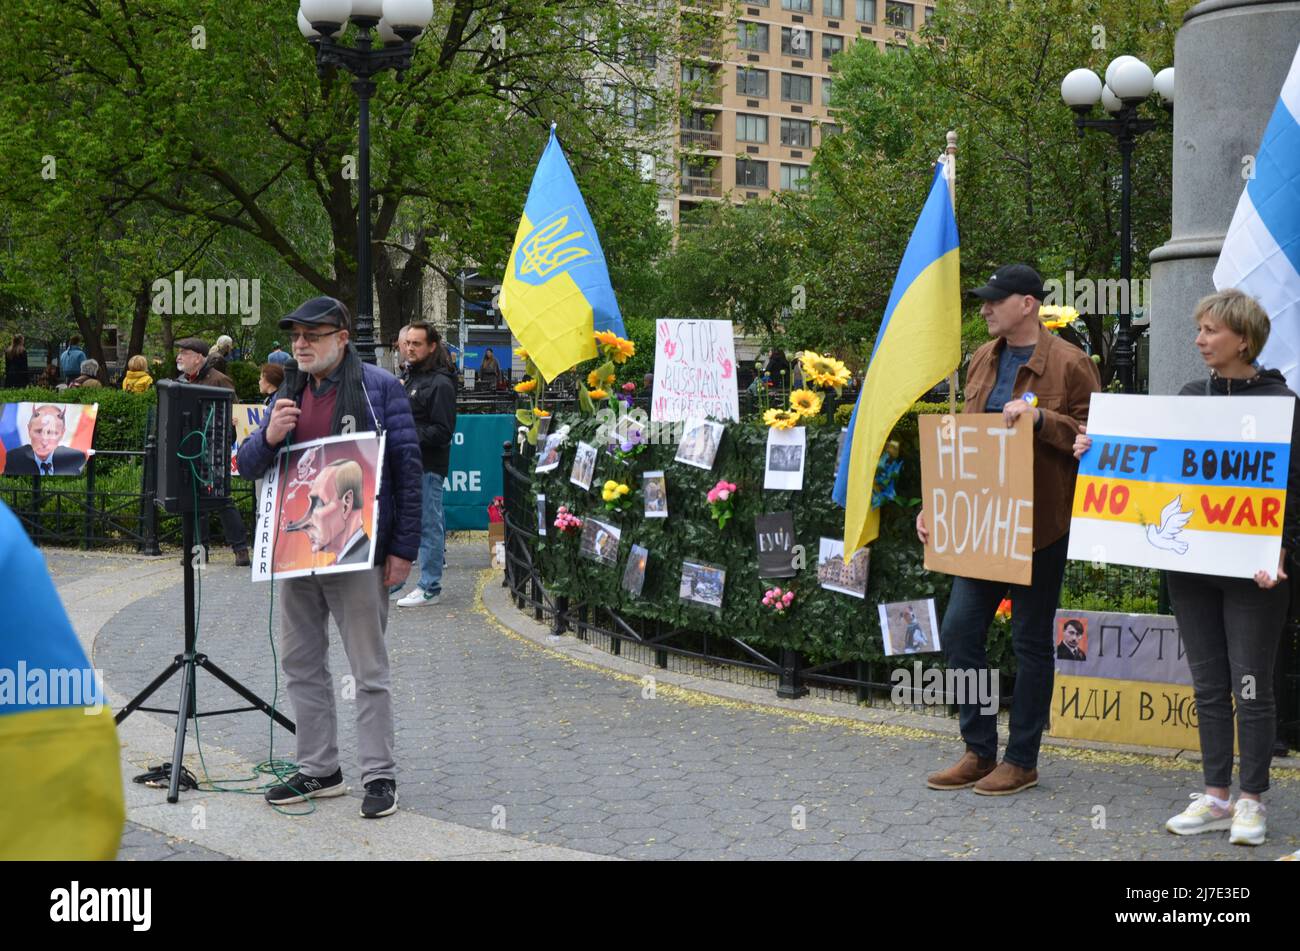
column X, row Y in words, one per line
column 1172, row 521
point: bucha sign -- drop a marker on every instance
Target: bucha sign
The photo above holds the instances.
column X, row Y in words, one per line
column 1184, row 483
column 977, row 485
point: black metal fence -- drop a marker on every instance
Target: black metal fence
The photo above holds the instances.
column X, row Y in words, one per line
column 732, row 659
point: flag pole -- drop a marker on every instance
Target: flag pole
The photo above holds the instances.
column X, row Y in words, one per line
column 950, row 156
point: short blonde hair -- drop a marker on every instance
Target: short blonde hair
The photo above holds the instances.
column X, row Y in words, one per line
column 137, row 363
column 1240, row 313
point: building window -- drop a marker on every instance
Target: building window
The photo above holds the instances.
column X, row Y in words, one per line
column 796, row 41
column 751, row 82
column 798, row 6
column 866, row 11
column 929, row 15
column 826, row 92
column 751, row 36
column 898, row 14
column 830, row 130
column 833, row 8
column 796, row 133
column 831, row 44
column 796, row 88
column 794, row 177
column 751, row 174
column 751, row 128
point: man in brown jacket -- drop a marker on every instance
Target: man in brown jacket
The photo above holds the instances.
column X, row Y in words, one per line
column 1036, row 379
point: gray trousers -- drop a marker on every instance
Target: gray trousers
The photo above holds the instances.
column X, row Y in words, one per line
column 358, row 602
column 1230, row 629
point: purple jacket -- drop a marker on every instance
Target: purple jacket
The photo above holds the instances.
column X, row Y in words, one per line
column 400, row 491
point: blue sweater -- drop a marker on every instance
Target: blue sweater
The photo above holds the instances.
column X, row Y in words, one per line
column 400, row 490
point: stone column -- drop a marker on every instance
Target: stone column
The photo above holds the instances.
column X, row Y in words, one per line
column 1230, row 59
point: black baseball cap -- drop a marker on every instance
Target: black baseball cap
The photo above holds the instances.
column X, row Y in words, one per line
column 1011, row 279
column 322, row 311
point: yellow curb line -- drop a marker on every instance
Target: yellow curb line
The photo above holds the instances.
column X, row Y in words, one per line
column 698, row 698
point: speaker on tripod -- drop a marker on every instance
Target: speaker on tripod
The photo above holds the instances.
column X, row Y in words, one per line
column 194, row 435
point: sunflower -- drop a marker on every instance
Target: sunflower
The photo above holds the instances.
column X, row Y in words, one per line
column 541, row 413
column 593, row 380
column 1057, row 316
column 598, row 394
column 526, row 386
column 824, row 371
column 616, row 348
column 521, row 353
column 780, row 418
column 806, row 402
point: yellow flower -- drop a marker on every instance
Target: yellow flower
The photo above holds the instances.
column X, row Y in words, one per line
column 598, row 394
column 780, row 418
column 618, row 349
column 609, row 380
column 541, row 412
column 526, row 386
column 824, row 371
column 623, row 490
column 592, row 379
column 1056, row 316
column 806, row 402
column 521, row 353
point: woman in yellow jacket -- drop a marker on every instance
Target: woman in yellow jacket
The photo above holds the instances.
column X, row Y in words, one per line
column 137, row 379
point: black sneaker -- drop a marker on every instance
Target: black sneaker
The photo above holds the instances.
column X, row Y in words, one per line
column 381, row 799
column 300, row 788
column 241, row 558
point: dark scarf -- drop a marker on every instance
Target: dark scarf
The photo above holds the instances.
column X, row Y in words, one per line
column 352, row 393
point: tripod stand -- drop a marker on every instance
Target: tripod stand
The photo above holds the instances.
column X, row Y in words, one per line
column 187, row 663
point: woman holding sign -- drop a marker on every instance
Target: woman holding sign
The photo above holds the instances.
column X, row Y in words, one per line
column 1230, row 627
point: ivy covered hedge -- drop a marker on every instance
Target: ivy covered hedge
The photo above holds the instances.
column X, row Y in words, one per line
column 823, row 625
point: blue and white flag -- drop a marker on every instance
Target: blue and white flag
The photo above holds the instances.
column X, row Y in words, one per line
column 1261, row 252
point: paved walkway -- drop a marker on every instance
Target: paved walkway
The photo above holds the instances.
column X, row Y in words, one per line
column 515, row 745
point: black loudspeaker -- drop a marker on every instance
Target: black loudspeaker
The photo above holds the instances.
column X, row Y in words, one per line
column 194, row 436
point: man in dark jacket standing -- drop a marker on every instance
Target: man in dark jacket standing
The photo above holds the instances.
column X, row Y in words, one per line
column 330, row 392
column 430, row 382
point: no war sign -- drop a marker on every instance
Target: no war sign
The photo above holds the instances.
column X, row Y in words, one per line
column 1184, row 483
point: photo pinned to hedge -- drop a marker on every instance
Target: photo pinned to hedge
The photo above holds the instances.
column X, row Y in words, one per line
column 600, row 541
column 774, row 539
column 834, row 573
column 548, row 459
column 541, row 515
column 634, row 573
column 655, row 490
column 584, row 466
column 703, row 584
column 909, row 627
column 52, row 439
column 700, row 441
column 785, row 455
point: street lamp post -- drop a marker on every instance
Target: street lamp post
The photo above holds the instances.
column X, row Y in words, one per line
column 398, row 23
column 1128, row 83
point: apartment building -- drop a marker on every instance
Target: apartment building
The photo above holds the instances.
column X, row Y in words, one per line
column 760, row 97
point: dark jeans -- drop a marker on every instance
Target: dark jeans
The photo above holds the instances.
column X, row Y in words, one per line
column 232, row 527
column 1208, row 608
column 965, row 632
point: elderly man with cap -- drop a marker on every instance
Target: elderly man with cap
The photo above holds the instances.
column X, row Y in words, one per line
column 1033, row 378
column 194, row 367
column 329, row 391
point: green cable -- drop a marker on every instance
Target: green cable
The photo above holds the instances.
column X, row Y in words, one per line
column 270, row 766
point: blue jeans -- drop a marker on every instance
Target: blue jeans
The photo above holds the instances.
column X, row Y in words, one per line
column 433, row 535
column 965, row 631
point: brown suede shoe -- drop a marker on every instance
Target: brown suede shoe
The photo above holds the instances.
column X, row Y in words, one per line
column 967, row 771
column 1006, row 779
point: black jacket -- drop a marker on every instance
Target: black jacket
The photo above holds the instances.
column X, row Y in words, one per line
column 1266, row 383
column 433, row 404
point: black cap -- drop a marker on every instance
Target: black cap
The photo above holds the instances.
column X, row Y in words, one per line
column 1012, row 279
column 193, row 343
column 324, row 311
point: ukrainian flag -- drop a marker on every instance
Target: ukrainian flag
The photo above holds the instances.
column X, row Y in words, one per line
column 60, row 774
column 556, row 292
column 919, row 344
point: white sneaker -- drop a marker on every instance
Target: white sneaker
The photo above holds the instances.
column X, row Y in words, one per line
column 417, row 598
column 395, row 592
column 1203, row 815
column 1248, row 826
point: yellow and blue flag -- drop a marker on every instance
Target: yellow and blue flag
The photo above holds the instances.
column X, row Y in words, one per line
column 919, row 343
column 60, row 773
column 556, row 293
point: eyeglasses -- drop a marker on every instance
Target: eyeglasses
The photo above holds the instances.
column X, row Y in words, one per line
column 296, row 335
